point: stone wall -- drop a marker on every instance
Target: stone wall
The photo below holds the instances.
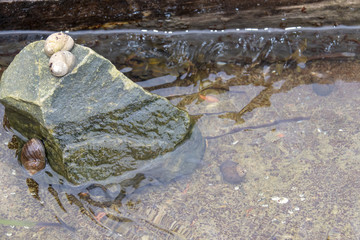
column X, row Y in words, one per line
column 175, row 15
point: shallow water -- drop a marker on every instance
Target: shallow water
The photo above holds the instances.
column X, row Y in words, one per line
column 282, row 104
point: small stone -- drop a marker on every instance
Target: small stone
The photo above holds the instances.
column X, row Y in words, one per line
column 232, row 172
column 322, row 89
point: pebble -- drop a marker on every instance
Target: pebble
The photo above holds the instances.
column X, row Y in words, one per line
column 322, row 89
column 232, row 172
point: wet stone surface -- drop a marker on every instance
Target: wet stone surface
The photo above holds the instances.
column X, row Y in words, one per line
column 96, row 124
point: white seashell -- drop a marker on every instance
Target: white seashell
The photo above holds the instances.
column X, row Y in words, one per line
column 61, row 63
column 280, row 200
column 58, row 42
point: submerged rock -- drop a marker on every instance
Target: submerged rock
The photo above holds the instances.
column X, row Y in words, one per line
column 96, row 124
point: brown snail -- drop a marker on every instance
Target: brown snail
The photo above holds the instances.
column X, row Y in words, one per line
column 33, row 156
column 61, row 63
column 58, row 42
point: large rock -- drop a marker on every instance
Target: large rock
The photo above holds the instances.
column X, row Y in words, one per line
column 94, row 121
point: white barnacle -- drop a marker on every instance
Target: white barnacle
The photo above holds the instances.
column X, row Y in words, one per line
column 58, row 42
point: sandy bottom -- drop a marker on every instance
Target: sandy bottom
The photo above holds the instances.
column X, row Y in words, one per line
column 302, row 178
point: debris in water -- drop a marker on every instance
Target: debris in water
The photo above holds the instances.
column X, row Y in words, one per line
column 99, row 216
column 209, row 98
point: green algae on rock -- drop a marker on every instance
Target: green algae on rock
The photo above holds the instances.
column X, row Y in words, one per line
column 94, row 121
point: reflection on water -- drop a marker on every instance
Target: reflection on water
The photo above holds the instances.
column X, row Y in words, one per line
column 281, row 104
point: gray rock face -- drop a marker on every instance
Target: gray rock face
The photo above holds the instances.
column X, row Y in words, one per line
column 95, row 122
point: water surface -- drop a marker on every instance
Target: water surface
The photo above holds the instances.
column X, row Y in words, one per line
column 281, row 103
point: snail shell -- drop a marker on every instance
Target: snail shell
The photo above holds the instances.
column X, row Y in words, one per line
column 58, row 42
column 33, row 156
column 61, row 63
